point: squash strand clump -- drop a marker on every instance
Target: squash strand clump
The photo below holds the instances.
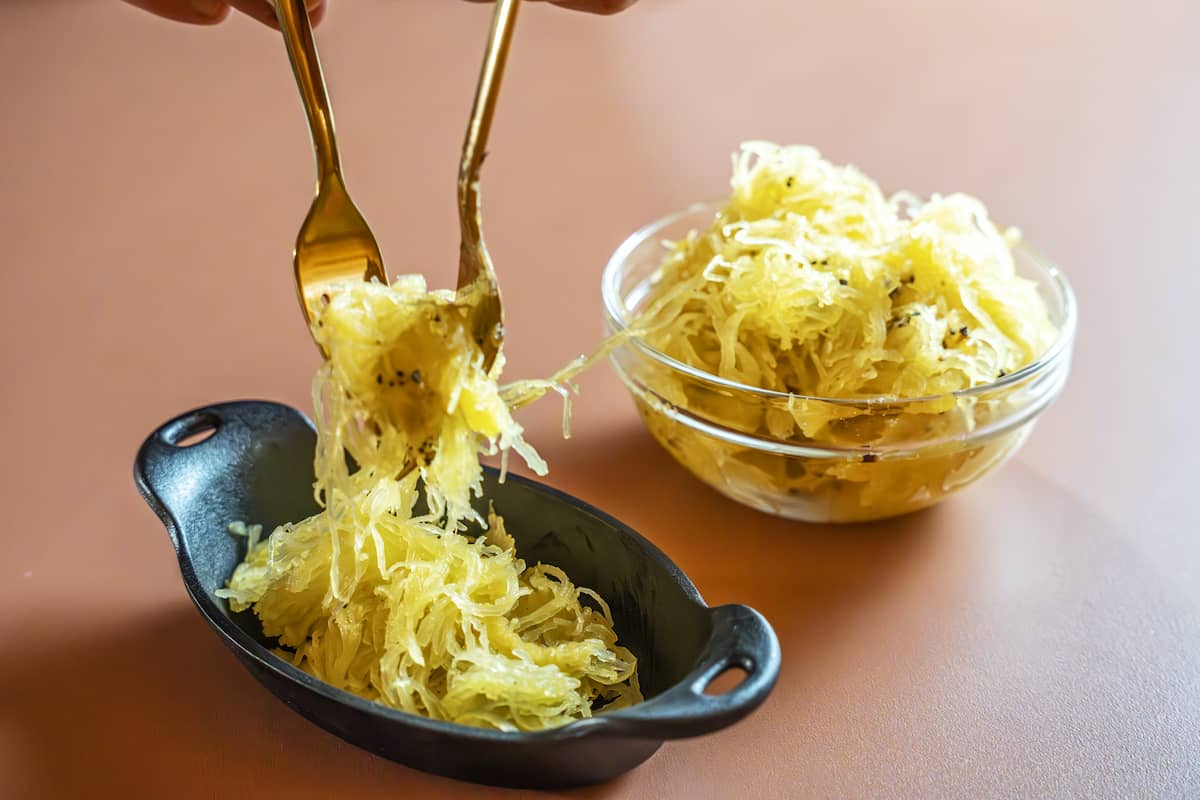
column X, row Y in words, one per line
column 402, row 605
column 811, row 281
column 865, row 313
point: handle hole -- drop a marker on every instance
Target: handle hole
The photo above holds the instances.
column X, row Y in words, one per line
column 726, row 680
column 196, row 437
column 191, row 431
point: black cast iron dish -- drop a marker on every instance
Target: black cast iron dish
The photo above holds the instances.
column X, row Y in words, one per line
column 256, row 466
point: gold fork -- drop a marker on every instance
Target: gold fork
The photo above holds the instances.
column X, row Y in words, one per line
column 476, row 275
column 334, row 244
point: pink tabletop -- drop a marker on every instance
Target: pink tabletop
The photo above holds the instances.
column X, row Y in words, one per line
column 1038, row 635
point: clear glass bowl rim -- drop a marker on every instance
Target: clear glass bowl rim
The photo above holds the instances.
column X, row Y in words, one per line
column 614, row 310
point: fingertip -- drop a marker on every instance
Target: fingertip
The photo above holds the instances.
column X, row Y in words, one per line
column 208, row 12
column 609, row 6
column 261, row 10
column 316, row 11
column 191, row 12
column 602, row 7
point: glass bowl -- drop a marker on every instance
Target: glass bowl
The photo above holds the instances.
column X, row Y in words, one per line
column 879, row 457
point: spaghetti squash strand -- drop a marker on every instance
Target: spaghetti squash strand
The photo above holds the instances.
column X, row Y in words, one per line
column 407, row 608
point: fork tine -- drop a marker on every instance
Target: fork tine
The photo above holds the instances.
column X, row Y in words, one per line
column 334, row 243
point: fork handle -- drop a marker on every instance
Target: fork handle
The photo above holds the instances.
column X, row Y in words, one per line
column 302, row 51
column 475, row 144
